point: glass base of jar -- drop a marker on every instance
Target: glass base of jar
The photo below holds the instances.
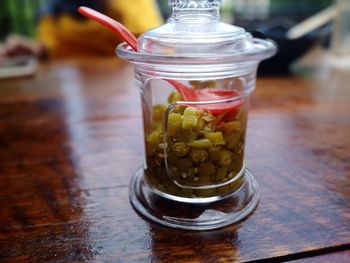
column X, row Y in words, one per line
column 193, row 216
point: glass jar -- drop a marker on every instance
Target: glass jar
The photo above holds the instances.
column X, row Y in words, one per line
column 195, row 75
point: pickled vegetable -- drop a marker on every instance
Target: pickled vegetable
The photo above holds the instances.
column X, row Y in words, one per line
column 203, row 84
column 187, row 136
column 230, row 127
column 200, row 144
column 214, row 153
column 154, row 139
column 201, row 123
column 221, row 173
column 183, row 164
column 158, row 112
column 190, row 118
column 225, row 157
column 198, row 148
column 233, row 142
column 174, row 124
column 174, row 97
column 216, row 138
column 199, row 156
column 206, row 169
column 180, row 149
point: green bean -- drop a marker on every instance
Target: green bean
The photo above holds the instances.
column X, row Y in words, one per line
column 156, row 125
column 180, row 149
column 221, row 173
column 190, row 117
column 172, row 158
column 233, row 143
column 174, row 124
column 203, row 84
column 187, row 174
column 230, row 127
column 214, row 153
column 158, row 112
column 189, row 122
column 154, row 139
column 190, row 111
column 206, row 169
column 200, row 125
column 187, row 136
column 202, row 180
column 208, row 117
column 235, row 167
column 225, row 157
column 174, row 97
column 198, row 156
column 200, row 144
column 179, row 109
column 183, row 164
column 216, row 138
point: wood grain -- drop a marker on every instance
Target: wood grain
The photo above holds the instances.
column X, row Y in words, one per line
column 343, row 256
column 71, row 138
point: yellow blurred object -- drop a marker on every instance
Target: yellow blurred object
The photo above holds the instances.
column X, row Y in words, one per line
column 65, row 36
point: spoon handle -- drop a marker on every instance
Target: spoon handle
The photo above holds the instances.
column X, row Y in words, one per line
column 113, row 25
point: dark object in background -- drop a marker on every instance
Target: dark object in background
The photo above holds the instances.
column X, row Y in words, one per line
column 288, row 50
column 282, row 15
column 58, row 7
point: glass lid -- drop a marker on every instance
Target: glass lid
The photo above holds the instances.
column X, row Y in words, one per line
column 195, row 30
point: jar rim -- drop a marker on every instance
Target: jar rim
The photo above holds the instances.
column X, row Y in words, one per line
column 262, row 49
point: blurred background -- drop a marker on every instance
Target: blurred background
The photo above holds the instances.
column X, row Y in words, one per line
column 52, row 29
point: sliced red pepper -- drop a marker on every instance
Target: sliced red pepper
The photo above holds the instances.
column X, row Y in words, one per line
column 212, row 94
column 209, row 94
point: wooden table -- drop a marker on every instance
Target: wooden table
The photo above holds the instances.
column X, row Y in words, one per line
column 71, row 137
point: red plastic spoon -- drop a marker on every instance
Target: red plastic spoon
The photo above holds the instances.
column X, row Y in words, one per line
column 209, row 94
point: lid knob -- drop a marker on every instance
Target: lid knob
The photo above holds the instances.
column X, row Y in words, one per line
column 194, row 3
column 195, row 9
